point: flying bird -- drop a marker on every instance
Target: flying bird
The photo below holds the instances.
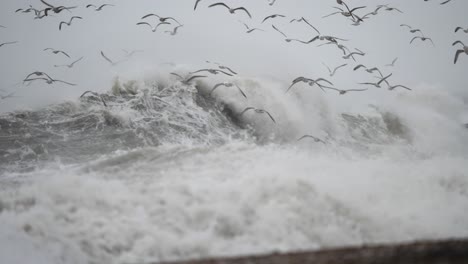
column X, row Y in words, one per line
column 174, row 31
column 258, row 111
column 187, row 79
column 272, row 16
column 96, row 95
column 335, row 69
column 250, row 30
column 8, row 43
column 228, row 84
column 69, row 22
column 161, row 19
column 109, row 60
column 393, row 63
column 289, row 40
column 462, row 29
column 396, row 86
column 460, row 51
column 54, row 51
column 155, row 27
column 69, row 65
column 310, row 82
column 212, row 71
column 316, row 139
column 98, row 8
column 377, row 85
column 222, row 67
column 422, row 38
column 231, row 10
column 341, row 92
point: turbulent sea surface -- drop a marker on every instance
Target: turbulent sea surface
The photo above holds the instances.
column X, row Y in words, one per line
column 168, row 172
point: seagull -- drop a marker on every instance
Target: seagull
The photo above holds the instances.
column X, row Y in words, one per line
column 348, row 13
column 48, row 80
column 259, row 111
column 289, row 40
column 387, row 8
column 228, row 84
column 316, row 139
column 358, row 52
column 57, row 51
column 340, row 46
column 393, row 63
column 396, row 86
column 341, row 92
column 422, row 38
column 94, row 94
column 153, row 28
column 371, row 70
column 55, row 9
column 411, row 28
column 460, row 28
column 98, row 8
column 222, row 67
column 231, row 10
column 250, row 30
column 334, row 70
column 69, row 65
column 174, row 31
column 302, row 19
column 10, row 95
column 272, row 2
column 460, row 51
column 377, row 85
column 69, row 22
column 8, row 43
column 38, row 73
column 129, row 54
column 188, row 79
column 212, row 71
column 109, row 60
column 161, row 19
column 310, row 82
column 272, row 16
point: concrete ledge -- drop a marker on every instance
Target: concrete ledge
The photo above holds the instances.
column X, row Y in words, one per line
column 424, row 252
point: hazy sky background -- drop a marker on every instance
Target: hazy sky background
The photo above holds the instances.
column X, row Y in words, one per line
column 214, row 34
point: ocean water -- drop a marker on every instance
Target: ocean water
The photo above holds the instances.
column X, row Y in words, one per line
column 168, row 171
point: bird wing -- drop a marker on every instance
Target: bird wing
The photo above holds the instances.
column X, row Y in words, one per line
column 458, row 42
column 307, row 22
column 196, row 4
column 219, row 4
column 64, row 53
column 240, row 90
column 279, row 31
column 414, row 39
column 175, row 74
column 268, row 113
column 384, row 79
column 61, row 23
column 243, row 9
column 356, row 90
column 71, row 84
column 358, row 67
column 457, row 28
column 194, row 77
column 323, row 80
column 74, row 17
column 47, row 4
column 106, row 58
column 247, row 109
column 334, row 13
column 90, row 5
column 145, row 23
column 216, row 86
column 148, row 15
column 456, row 55
column 73, row 63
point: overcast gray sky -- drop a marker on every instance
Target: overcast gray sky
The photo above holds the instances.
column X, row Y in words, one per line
column 214, row 34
